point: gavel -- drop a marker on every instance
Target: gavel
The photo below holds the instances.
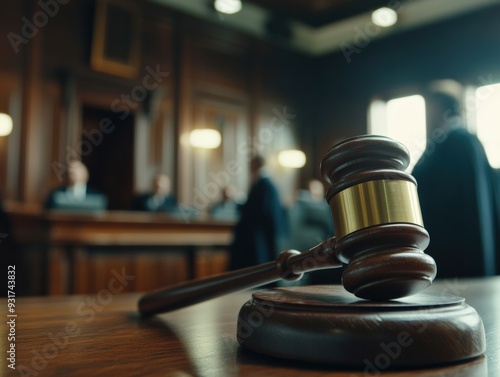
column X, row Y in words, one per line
column 379, row 233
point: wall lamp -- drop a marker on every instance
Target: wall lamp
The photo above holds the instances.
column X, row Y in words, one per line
column 384, row 17
column 206, row 138
column 5, row 124
column 228, row 6
column 292, row 158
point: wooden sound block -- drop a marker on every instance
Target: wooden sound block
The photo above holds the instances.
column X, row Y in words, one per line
column 326, row 324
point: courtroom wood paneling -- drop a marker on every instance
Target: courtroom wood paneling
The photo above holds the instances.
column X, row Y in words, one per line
column 281, row 117
column 201, row 61
column 11, row 29
column 93, row 268
column 101, row 267
column 235, row 78
column 68, row 36
column 226, row 165
column 147, row 102
column 214, row 93
column 109, row 153
column 147, row 270
column 63, row 253
column 156, row 134
column 329, row 95
column 10, row 145
column 211, row 262
column 11, row 61
column 154, row 270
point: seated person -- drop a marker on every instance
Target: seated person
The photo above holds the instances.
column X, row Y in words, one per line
column 227, row 208
column 159, row 199
column 76, row 195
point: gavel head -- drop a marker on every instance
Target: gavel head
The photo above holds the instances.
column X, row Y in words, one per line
column 377, row 219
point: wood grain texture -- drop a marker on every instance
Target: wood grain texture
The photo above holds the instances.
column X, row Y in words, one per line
column 81, row 250
column 385, row 258
column 327, row 325
column 197, row 341
column 290, row 265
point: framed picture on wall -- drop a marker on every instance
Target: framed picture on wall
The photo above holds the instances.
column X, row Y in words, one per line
column 116, row 38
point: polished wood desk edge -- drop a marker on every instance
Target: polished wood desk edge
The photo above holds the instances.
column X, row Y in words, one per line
column 200, row 340
column 493, row 281
column 117, row 228
column 115, row 216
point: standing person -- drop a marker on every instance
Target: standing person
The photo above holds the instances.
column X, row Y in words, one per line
column 262, row 221
column 159, row 199
column 456, row 193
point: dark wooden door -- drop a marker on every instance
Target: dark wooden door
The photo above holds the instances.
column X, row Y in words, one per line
column 107, row 149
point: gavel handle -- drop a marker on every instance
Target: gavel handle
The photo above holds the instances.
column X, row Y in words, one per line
column 290, row 265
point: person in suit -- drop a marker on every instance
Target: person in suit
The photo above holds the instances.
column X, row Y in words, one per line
column 262, row 221
column 76, row 194
column 159, row 199
column 456, row 193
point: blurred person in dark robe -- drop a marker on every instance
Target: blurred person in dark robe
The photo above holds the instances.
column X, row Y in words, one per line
column 262, row 221
column 456, row 193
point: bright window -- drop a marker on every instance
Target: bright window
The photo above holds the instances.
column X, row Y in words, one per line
column 402, row 119
column 488, row 121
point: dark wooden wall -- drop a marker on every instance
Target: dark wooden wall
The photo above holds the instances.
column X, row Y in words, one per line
column 263, row 98
column 207, row 75
column 216, row 77
column 465, row 49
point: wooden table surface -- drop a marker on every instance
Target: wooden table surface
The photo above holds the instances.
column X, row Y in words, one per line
column 102, row 335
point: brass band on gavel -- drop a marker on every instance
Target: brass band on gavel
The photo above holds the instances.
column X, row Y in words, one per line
column 375, row 203
column 377, row 219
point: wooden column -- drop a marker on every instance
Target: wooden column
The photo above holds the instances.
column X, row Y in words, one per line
column 31, row 174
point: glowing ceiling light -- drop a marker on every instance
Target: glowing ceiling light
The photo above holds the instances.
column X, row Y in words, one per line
column 5, row 124
column 228, row 6
column 384, row 17
column 205, row 138
column 292, row 158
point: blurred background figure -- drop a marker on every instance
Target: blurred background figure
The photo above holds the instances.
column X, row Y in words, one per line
column 76, row 195
column 310, row 222
column 159, row 199
column 316, row 191
column 456, row 192
column 310, row 217
column 227, row 208
column 262, row 221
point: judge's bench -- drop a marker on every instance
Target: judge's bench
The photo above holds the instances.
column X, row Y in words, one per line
column 75, row 253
